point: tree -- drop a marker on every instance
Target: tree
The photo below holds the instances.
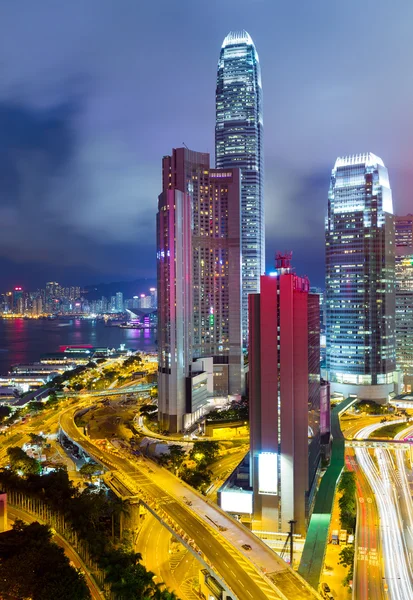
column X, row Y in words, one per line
column 204, row 452
column 36, row 406
column 347, row 501
column 53, row 400
column 5, row 412
column 32, row 566
column 347, row 556
column 19, row 461
column 88, row 470
column 37, row 439
column 199, row 478
column 175, row 457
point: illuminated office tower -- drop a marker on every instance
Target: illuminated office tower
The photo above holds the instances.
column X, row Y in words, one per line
column 18, row 300
column 119, row 302
column 199, row 287
column 284, row 361
column 154, row 297
column 360, row 264
column 404, row 298
column 239, row 143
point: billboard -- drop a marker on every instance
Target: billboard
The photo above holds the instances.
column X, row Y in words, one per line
column 236, row 501
column 268, row 473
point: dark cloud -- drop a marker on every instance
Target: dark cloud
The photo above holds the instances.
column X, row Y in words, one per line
column 69, row 205
column 93, row 94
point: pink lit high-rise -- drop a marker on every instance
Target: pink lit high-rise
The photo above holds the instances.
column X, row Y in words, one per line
column 199, row 287
column 284, row 367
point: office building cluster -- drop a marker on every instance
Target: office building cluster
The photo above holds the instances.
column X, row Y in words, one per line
column 56, row 299
column 52, row 299
column 226, row 329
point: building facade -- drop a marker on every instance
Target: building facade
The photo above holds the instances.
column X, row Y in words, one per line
column 404, row 298
column 199, row 284
column 239, row 143
column 119, row 307
column 360, row 263
column 284, row 361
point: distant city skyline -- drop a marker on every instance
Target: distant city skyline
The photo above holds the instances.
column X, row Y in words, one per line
column 80, row 143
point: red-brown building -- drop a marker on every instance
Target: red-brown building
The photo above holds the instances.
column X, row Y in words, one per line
column 284, row 390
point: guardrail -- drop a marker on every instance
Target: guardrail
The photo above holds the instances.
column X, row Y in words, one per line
column 97, row 455
column 39, row 509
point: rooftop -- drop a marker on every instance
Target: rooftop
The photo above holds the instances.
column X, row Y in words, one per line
column 367, row 158
column 235, row 38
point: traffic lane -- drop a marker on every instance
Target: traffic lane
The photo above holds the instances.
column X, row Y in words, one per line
column 396, row 563
column 72, row 555
column 368, row 581
column 233, row 572
column 287, row 578
column 238, row 574
column 153, row 544
column 215, row 549
column 402, row 486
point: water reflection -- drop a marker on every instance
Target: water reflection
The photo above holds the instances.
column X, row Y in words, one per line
column 23, row 341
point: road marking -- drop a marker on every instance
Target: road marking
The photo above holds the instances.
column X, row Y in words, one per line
column 248, row 592
column 361, row 500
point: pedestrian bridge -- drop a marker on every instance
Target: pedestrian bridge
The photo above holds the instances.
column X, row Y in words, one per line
column 141, row 388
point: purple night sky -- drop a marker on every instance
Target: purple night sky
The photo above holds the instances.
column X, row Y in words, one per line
column 93, row 94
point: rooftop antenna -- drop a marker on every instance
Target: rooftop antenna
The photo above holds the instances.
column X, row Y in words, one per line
column 185, row 145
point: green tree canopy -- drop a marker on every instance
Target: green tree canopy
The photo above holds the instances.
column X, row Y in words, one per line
column 347, row 556
column 89, row 469
column 19, row 461
column 37, row 439
column 32, row 566
column 174, row 458
column 5, row 412
column 204, row 452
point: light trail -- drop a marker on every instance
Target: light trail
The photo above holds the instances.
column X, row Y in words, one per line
column 387, row 478
column 396, row 562
column 369, row 429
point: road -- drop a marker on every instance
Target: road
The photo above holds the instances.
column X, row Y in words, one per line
column 14, row 513
column 239, row 568
column 177, row 570
column 19, row 434
column 387, row 479
column 368, row 575
column 223, row 467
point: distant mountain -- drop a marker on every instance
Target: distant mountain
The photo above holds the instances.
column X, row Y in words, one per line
column 128, row 288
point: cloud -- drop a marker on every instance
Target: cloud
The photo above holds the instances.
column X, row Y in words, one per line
column 70, row 200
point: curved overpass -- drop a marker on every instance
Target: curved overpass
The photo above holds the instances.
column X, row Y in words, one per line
column 257, row 574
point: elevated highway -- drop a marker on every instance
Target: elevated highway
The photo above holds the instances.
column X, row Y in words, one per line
column 217, row 539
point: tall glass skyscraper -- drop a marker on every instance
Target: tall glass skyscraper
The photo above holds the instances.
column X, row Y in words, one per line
column 360, row 286
column 404, row 298
column 239, row 143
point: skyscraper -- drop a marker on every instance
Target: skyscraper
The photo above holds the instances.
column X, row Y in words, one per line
column 404, row 298
column 284, row 360
column 239, row 143
column 360, row 299
column 119, row 302
column 154, row 297
column 199, row 285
